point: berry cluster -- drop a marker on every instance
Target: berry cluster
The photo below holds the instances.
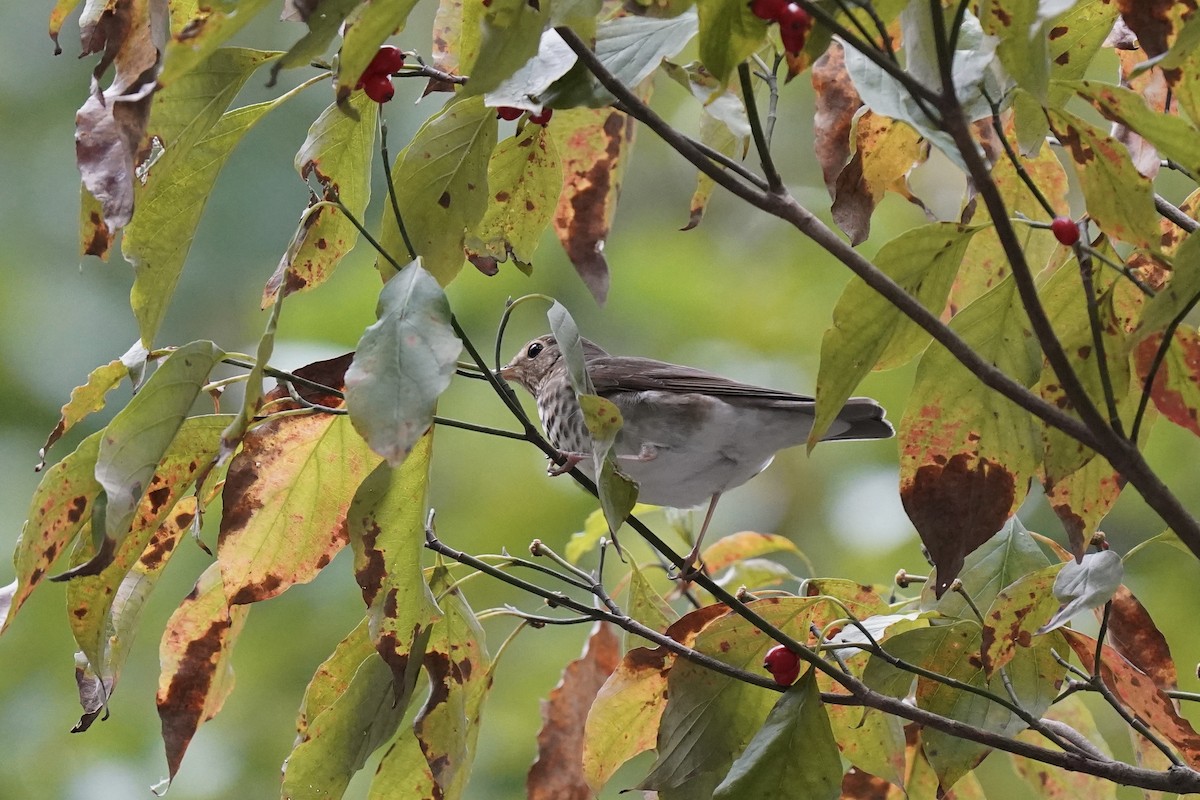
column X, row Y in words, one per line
column 510, row 113
column 376, row 79
column 783, row 664
column 794, row 21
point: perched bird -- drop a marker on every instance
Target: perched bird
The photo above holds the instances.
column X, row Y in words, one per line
column 688, row 435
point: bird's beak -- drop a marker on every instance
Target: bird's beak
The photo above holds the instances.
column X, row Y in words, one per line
column 506, row 372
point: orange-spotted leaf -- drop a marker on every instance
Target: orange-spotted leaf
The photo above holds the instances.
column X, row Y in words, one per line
column 1133, row 634
column 558, row 770
column 1017, row 613
column 728, row 550
column 1175, row 391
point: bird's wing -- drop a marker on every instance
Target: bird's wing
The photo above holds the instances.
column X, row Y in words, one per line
column 613, row 375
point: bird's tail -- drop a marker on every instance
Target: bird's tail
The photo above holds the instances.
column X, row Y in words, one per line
column 860, row 418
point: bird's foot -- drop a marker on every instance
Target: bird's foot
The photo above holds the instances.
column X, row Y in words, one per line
column 648, row 452
column 571, row 459
column 695, row 567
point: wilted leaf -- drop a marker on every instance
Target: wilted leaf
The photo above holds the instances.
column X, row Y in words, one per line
column 794, row 749
column 837, row 104
column 338, row 154
column 443, row 177
column 967, row 454
column 1139, row 693
column 85, row 400
column 195, row 652
column 1175, row 390
column 285, row 502
column 1133, row 634
column 594, row 147
column 557, row 774
column 402, row 365
column 865, row 325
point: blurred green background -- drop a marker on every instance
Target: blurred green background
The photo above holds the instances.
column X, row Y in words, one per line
column 742, row 295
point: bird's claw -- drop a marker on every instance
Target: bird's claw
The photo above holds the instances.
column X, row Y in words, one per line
column 571, row 459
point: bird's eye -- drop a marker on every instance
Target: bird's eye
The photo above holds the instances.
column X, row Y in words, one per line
column 534, row 350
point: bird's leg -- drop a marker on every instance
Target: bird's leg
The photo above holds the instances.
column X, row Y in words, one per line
column 571, row 459
column 648, row 452
column 693, row 558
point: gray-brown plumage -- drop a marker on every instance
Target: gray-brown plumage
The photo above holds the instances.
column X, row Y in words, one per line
column 688, row 435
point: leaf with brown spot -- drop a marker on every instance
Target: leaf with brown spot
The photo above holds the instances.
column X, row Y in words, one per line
column 456, row 35
column 1156, row 22
column 285, row 502
column 710, row 718
column 525, row 179
column 1015, row 615
column 1007, row 557
column 1175, row 391
column 102, row 609
column 337, row 153
column 1084, row 498
column 624, row 717
column 557, row 773
column 443, row 176
column 594, row 146
column 198, row 37
column 112, row 615
column 351, row 708
column 728, row 550
column 85, row 400
column 434, row 759
column 195, row 652
column 967, row 455
column 1133, row 634
column 386, row 521
column 1119, row 199
column 1052, row 783
column 1139, row 693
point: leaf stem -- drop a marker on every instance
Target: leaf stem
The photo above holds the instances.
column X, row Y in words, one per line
column 774, row 181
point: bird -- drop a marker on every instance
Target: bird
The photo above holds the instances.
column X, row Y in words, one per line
column 688, row 436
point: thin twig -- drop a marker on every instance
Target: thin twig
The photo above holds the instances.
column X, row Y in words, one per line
column 774, row 181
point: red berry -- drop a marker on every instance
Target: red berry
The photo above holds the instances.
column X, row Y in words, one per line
column 783, row 664
column 378, row 86
column 388, row 60
column 508, row 112
column 542, row 117
column 794, row 25
column 767, row 9
column 1065, row 230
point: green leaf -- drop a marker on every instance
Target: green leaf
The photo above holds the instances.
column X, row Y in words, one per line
column 337, row 152
column 195, row 652
column 646, row 605
column 357, row 707
column 968, row 454
column 323, row 26
column 134, row 443
column 595, row 528
column 794, row 750
column 1118, row 197
column 1086, row 585
column 209, row 28
column 1002, row 560
column 570, row 343
column 1023, row 48
column 729, row 34
column 456, row 35
column 867, row 328
column 402, row 364
column 525, row 179
column 442, row 176
column 85, row 400
column 386, row 521
column 285, row 502
column 371, row 28
column 157, row 241
column 632, row 47
column 512, row 32
column 1177, row 295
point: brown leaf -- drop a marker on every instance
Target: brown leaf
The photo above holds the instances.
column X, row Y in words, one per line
column 1154, row 21
column 885, row 152
column 859, row 785
column 1134, row 635
column 1138, row 691
column 594, row 147
column 837, row 101
column 557, row 774
column 111, row 125
column 956, row 506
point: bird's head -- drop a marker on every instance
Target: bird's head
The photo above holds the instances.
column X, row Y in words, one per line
column 533, row 363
